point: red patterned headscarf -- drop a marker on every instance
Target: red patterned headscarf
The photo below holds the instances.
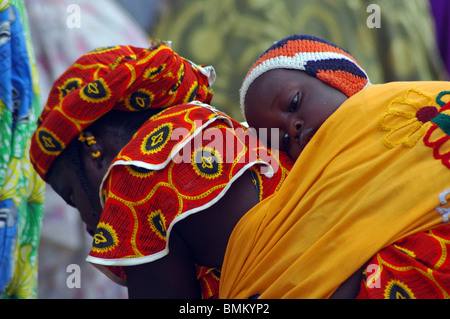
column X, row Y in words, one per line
column 121, row 78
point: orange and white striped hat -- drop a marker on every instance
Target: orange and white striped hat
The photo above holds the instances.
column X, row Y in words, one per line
column 317, row 57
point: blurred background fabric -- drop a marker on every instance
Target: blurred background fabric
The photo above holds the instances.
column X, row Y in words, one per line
column 230, row 34
column 411, row 44
column 21, row 190
column 441, row 10
column 62, row 31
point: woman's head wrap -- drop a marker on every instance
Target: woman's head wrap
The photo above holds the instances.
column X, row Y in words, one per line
column 317, row 57
column 122, row 78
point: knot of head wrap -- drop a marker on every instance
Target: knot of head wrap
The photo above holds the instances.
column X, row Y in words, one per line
column 317, row 57
column 122, row 78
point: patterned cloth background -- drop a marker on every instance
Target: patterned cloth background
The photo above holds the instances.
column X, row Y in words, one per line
column 21, row 191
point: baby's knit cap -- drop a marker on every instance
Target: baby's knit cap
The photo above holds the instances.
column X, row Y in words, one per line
column 317, row 57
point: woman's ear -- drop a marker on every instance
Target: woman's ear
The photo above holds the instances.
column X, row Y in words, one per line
column 92, row 147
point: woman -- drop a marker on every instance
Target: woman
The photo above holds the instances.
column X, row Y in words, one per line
column 132, row 123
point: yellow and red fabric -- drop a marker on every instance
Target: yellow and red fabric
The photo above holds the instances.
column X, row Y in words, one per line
column 122, row 78
column 415, row 267
column 376, row 172
column 180, row 162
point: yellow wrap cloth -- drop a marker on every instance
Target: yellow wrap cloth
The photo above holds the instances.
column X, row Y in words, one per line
column 376, row 171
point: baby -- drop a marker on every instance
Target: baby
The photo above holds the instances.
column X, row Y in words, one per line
column 275, row 95
column 374, row 180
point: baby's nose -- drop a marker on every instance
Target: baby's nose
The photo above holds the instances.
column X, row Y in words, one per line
column 296, row 127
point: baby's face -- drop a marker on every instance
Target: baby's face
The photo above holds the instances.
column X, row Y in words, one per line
column 293, row 102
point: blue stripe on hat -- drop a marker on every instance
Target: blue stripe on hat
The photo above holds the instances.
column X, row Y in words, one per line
column 312, row 67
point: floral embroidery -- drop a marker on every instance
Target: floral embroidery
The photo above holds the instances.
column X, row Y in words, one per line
column 438, row 136
column 405, row 118
column 415, row 115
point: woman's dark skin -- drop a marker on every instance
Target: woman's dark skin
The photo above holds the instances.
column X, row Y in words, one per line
column 200, row 239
